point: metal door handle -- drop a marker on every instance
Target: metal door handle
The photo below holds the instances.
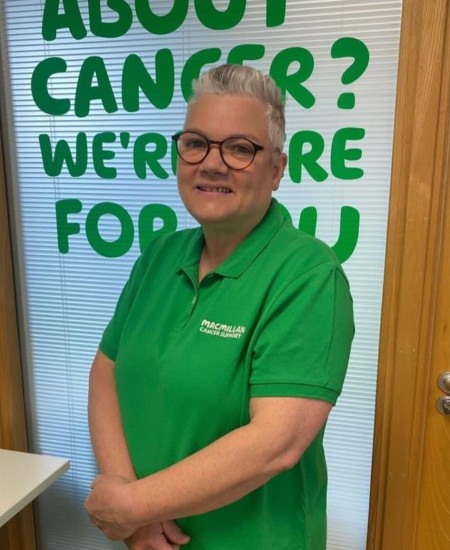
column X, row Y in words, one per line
column 443, row 405
column 444, row 382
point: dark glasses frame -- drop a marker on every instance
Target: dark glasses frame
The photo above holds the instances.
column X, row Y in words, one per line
column 210, row 142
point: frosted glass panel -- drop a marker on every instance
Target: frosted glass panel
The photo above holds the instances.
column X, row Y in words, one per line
column 91, row 179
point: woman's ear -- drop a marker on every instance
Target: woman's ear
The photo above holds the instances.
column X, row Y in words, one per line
column 278, row 170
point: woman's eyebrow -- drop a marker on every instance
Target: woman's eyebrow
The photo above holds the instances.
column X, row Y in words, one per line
column 249, row 135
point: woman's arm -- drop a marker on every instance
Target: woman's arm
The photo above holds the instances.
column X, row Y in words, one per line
column 105, row 424
column 111, row 452
column 279, row 432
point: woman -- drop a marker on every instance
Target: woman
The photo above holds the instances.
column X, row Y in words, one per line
column 228, row 348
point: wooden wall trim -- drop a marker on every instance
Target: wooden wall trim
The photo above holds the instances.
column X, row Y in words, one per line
column 418, row 187
column 17, row 534
column 12, row 416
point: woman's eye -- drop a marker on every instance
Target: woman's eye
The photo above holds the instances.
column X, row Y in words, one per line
column 195, row 144
column 241, row 148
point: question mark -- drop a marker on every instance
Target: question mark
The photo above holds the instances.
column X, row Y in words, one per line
column 354, row 48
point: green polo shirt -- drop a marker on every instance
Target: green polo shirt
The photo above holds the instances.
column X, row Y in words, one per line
column 275, row 319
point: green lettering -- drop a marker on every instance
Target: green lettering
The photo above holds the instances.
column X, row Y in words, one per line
column 147, row 217
column 293, row 83
column 173, row 157
column 161, row 24
column 71, row 19
column 348, row 229
column 348, row 233
column 299, row 159
column 135, row 78
column 143, row 158
column 193, row 66
column 99, row 155
column 107, row 248
column 308, row 220
column 358, row 52
column 64, row 228
column 243, row 52
column 53, row 163
column 217, row 20
column 94, row 67
column 110, row 29
column 39, row 86
column 340, row 154
column 275, row 12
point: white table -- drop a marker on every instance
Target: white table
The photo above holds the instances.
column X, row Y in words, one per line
column 24, row 476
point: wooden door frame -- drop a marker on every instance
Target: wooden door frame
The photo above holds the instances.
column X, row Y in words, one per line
column 420, row 169
column 418, row 187
column 18, row 533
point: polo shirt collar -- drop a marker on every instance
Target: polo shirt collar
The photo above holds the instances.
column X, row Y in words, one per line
column 243, row 256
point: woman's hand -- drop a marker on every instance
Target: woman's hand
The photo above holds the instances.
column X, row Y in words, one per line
column 110, row 506
column 159, row 536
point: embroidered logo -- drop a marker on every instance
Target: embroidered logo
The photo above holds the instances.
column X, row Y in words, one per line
column 221, row 330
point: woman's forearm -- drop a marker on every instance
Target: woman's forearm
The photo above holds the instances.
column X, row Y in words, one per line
column 220, row 474
column 233, row 465
column 105, row 425
column 279, row 432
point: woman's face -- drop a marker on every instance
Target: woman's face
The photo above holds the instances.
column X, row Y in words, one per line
column 219, row 198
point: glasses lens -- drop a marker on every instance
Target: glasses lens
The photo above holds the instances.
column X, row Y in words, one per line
column 238, row 152
column 192, row 147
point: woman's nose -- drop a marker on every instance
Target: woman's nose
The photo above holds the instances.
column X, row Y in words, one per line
column 214, row 160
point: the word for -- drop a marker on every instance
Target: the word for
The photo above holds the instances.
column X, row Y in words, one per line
column 157, row 219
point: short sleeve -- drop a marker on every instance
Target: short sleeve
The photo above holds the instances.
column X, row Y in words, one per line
column 109, row 343
column 304, row 340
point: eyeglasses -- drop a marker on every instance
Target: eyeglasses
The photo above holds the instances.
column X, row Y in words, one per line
column 236, row 152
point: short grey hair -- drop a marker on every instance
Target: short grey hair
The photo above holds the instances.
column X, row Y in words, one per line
column 239, row 80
